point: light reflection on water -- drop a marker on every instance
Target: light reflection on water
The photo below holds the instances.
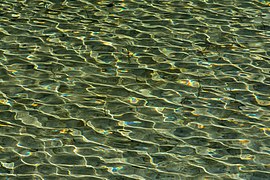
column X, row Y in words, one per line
column 134, row 89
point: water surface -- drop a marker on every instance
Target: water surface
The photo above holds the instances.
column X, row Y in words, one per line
column 143, row 89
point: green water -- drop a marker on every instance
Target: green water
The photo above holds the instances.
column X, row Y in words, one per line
column 144, row 89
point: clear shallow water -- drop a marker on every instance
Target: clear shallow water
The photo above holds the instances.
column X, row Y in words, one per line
column 140, row 90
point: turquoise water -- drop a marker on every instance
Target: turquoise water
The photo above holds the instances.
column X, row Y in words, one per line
column 134, row 89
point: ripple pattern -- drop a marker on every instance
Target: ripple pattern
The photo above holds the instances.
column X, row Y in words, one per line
column 134, row 89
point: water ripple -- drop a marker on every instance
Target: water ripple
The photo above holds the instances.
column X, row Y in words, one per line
column 134, row 89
